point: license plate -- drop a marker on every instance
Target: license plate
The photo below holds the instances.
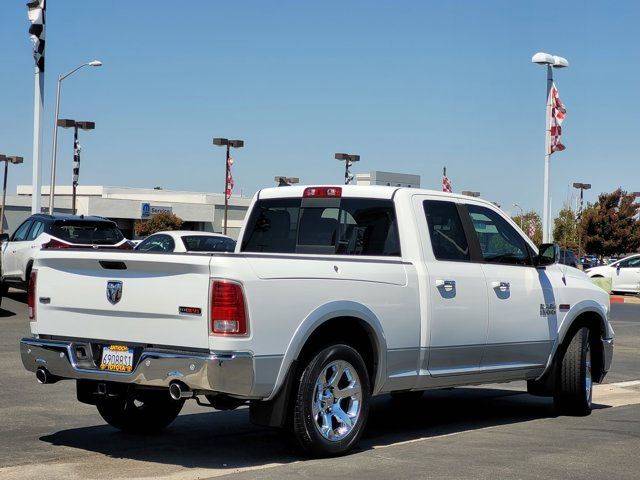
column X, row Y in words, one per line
column 117, row 358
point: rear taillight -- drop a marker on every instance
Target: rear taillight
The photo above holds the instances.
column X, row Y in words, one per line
column 228, row 312
column 31, row 294
column 53, row 243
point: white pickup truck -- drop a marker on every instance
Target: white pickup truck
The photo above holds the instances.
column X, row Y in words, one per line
column 333, row 295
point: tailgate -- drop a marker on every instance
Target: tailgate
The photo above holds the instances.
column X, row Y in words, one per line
column 72, row 298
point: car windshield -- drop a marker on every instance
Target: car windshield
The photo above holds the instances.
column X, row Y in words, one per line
column 208, row 243
column 87, row 232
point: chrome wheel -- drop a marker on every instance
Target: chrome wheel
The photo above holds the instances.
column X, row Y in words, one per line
column 337, row 400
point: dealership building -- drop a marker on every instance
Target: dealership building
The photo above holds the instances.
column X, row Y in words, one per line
column 124, row 205
column 199, row 211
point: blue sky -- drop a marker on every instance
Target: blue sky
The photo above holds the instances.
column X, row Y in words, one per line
column 411, row 86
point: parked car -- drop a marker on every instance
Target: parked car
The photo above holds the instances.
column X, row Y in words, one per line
column 186, row 241
column 624, row 274
column 589, row 261
column 567, row 257
column 41, row 232
column 335, row 294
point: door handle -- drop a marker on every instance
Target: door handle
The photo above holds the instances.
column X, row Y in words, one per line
column 502, row 286
column 446, row 284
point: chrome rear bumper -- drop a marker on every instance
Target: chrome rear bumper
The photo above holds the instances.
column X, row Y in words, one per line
column 225, row 372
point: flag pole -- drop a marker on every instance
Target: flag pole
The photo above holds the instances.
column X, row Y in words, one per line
column 546, row 210
column 36, row 181
column 36, row 12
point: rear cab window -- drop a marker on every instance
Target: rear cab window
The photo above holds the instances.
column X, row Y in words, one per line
column 333, row 226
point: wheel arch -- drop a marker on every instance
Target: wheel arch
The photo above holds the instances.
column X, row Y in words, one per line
column 315, row 330
column 585, row 314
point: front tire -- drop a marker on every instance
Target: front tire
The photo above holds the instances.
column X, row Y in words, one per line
column 331, row 402
column 142, row 411
column 574, row 388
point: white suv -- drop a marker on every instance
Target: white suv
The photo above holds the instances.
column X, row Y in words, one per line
column 42, row 231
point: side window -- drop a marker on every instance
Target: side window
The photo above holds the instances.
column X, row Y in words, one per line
column 368, row 227
column 499, row 241
column 21, row 233
column 157, row 243
column 445, row 229
column 630, row 263
column 36, row 230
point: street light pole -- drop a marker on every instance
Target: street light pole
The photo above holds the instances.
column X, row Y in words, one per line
column 68, row 123
column 220, row 142
column 521, row 213
column 349, row 160
column 551, row 61
column 54, row 151
column 582, row 187
column 6, row 159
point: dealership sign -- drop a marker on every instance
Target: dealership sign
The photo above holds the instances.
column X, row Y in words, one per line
column 148, row 210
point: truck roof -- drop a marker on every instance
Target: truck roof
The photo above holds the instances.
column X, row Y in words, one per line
column 359, row 191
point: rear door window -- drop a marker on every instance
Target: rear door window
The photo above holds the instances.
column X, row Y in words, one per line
column 36, row 229
column 87, row 232
column 448, row 239
column 349, row 226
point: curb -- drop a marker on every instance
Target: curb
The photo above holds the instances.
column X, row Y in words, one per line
column 624, row 299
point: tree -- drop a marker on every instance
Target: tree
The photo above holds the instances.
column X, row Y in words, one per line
column 158, row 223
column 610, row 226
column 526, row 218
column 565, row 229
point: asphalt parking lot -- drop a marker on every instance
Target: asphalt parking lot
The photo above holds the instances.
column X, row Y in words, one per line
column 489, row 432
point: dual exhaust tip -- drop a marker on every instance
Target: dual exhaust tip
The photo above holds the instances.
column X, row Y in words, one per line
column 45, row 377
column 178, row 391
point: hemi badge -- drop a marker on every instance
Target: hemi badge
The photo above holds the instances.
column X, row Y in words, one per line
column 190, row 310
column 565, row 306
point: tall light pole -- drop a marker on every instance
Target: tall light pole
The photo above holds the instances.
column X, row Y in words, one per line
column 222, row 142
column 54, row 151
column 67, row 123
column 551, row 61
column 348, row 160
column 286, row 181
column 582, row 187
column 521, row 213
column 7, row 160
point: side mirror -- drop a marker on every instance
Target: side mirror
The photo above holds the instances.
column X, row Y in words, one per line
column 4, row 237
column 548, row 254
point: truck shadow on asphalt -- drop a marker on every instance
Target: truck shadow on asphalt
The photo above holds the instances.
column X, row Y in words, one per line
column 226, row 440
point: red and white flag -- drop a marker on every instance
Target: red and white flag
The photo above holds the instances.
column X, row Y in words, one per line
column 532, row 228
column 558, row 113
column 446, row 185
column 229, row 188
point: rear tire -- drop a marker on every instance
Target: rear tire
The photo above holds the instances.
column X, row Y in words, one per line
column 331, row 402
column 574, row 388
column 142, row 411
